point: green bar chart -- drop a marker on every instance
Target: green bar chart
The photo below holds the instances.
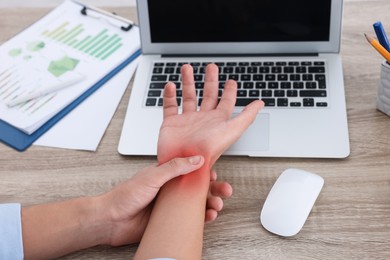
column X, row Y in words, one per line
column 101, row 45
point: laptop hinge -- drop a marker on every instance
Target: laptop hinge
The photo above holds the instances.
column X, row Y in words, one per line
column 241, row 55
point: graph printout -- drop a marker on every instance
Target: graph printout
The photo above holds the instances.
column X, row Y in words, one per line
column 65, row 44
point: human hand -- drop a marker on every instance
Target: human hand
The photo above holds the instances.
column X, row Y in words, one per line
column 128, row 206
column 209, row 131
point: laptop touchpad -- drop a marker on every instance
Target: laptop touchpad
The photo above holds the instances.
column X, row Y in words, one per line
column 256, row 137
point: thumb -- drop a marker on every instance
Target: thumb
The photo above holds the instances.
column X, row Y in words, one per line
column 176, row 167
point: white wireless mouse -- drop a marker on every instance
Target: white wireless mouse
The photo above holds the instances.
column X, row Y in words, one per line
column 290, row 201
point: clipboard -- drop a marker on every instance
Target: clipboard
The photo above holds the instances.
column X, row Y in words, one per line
column 18, row 139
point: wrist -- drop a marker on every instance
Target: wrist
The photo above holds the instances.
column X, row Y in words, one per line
column 95, row 221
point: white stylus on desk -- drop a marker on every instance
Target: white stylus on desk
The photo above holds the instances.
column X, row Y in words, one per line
column 46, row 90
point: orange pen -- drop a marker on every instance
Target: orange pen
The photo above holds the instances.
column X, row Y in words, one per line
column 378, row 47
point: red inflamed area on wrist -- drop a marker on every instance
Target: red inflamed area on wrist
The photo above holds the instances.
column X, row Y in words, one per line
column 195, row 182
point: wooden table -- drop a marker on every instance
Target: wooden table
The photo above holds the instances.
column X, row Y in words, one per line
column 351, row 218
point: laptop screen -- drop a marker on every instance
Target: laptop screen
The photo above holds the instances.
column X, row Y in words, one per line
column 191, row 21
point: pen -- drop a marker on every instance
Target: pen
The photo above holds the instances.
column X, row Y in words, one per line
column 45, row 91
column 381, row 35
column 378, row 47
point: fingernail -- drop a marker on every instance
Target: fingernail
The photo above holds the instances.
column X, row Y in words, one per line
column 195, row 160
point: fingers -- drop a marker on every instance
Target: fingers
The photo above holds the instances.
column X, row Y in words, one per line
column 228, row 99
column 221, row 189
column 211, row 215
column 210, row 90
column 170, row 107
column 189, row 93
column 179, row 166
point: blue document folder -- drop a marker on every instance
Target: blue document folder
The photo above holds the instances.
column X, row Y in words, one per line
column 21, row 141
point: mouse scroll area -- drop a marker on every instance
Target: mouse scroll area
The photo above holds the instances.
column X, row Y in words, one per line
column 290, row 201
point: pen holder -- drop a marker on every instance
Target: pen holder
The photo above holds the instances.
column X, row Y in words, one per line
column 383, row 99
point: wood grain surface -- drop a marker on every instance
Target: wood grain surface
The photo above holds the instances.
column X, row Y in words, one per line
column 350, row 220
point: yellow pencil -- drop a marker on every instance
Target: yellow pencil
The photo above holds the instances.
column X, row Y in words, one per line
column 378, row 47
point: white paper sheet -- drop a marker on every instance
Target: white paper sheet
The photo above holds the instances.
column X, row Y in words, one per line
column 83, row 128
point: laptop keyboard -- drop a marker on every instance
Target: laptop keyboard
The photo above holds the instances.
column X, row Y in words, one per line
column 278, row 83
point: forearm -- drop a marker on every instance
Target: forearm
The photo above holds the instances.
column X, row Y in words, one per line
column 56, row 229
column 175, row 228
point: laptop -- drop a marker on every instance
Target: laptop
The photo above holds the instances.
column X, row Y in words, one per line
column 281, row 51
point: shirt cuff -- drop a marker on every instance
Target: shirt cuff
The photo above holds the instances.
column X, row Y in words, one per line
column 11, row 241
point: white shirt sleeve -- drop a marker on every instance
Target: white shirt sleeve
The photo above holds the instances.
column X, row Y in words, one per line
column 11, row 242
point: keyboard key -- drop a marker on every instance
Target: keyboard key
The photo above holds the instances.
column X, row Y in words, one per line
column 270, row 77
column 307, row 77
column 276, row 69
column 233, row 76
column 157, row 85
column 248, row 85
column 241, row 102
column 241, row 93
column 321, row 104
column 200, row 85
column 258, row 77
column 228, row 70
column 159, row 77
column 298, row 85
column 173, row 77
column 160, row 102
column 295, row 77
column 285, row 85
column 281, row 63
column 246, row 77
column 171, row 64
column 266, row 93
column 252, row 70
column 311, row 85
column 300, row 70
column 295, row 104
column 154, row 93
column 240, row 70
column 260, row 85
column 254, row 93
column 273, row 85
column 279, row 93
column 222, row 77
column 198, row 77
column 157, row 70
column 292, row 93
column 169, row 70
column 269, row 102
column 312, row 93
column 282, row 77
column 316, row 69
column 282, row 102
column 264, row 69
column 150, row 102
column 308, row 102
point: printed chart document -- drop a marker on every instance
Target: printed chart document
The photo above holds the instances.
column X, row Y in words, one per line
column 84, row 127
column 62, row 46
